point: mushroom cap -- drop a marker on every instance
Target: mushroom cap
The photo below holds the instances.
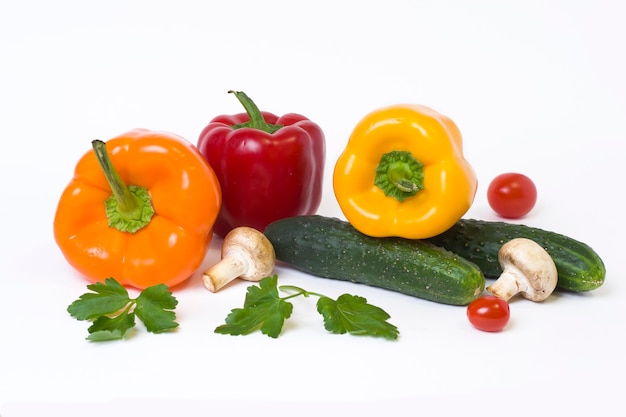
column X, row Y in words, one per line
column 252, row 246
column 534, row 264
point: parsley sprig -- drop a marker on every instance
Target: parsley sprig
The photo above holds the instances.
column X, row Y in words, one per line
column 113, row 312
column 266, row 310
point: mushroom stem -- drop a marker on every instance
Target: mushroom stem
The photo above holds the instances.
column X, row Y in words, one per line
column 508, row 284
column 246, row 254
column 527, row 269
column 226, row 270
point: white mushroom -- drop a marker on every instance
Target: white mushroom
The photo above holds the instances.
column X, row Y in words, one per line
column 246, row 254
column 527, row 269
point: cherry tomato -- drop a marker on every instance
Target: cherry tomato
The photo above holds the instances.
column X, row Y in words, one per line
column 489, row 313
column 512, row 195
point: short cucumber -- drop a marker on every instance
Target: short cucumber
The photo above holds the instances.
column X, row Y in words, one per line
column 579, row 267
column 332, row 248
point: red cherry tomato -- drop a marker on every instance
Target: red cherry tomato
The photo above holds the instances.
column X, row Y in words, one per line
column 489, row 313
column 512, row 195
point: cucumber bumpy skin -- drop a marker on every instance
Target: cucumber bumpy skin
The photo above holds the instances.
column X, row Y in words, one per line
column 332, row 248
column 579, row 266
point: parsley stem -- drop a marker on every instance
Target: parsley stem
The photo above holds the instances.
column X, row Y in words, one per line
column 299, row 291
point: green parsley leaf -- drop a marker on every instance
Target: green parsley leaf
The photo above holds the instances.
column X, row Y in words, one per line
column 263, row 308
column 105, row 335
column 154, row 308
column 111, row 328
column 354, row 315
column 106, row 298
column 113, row 312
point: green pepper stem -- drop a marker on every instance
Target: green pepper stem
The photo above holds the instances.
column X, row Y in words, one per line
column 257, row 121
column 129, row 208
column 399, row 175
column 125, row 200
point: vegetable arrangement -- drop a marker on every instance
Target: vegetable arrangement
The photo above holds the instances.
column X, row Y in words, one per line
column 148, row 204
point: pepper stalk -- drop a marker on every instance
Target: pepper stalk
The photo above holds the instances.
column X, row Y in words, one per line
column 129, row 208
column 399, row 175
column 257, row 121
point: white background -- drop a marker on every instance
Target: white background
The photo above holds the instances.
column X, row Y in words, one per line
column 535, row 86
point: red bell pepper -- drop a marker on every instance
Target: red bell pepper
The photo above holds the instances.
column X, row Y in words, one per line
column 269, row 167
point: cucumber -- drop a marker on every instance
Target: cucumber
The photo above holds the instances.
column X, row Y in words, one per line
column 579, row 267
column 332, row 248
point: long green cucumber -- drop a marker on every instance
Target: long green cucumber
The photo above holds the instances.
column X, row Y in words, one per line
column 579, row 266
column 332, row 248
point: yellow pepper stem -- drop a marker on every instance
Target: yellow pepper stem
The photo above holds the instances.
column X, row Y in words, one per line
column 399, row 175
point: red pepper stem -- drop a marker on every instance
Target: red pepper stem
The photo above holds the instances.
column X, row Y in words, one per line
column 129, row 208
column 257, row 121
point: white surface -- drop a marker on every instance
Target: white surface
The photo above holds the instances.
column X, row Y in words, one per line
column 535, row 86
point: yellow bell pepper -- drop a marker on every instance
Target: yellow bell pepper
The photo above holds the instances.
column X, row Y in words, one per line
column 403, row 173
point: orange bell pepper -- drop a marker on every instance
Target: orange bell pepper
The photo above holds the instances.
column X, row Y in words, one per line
column 140, row 209
column 403, row 174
